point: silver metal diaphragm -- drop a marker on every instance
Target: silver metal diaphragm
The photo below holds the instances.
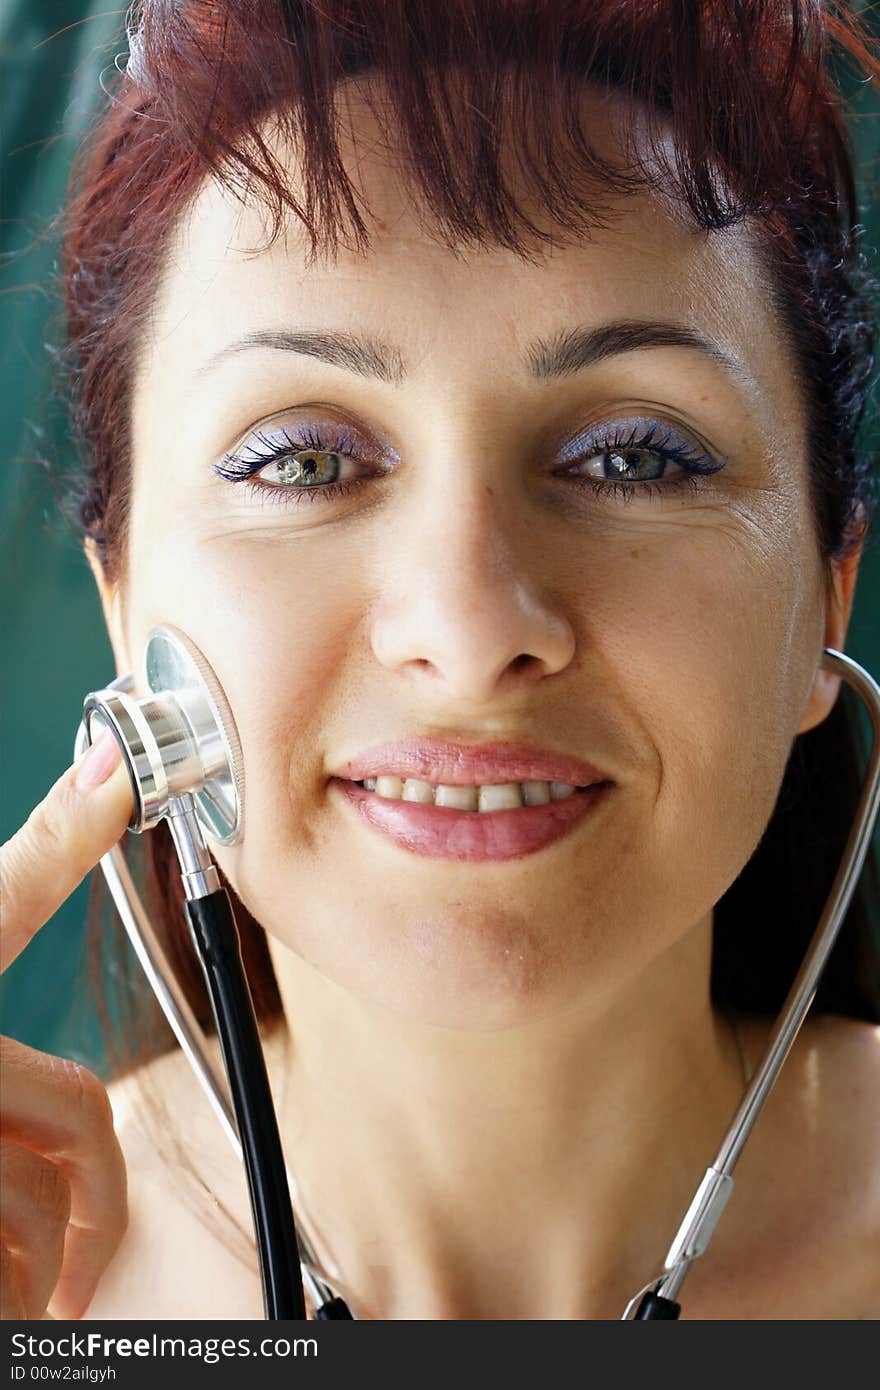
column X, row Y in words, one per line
column 181, row 738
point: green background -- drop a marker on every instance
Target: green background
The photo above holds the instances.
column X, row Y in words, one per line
column 54, row 644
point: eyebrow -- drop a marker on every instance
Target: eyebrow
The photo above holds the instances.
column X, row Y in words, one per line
column 563, row 354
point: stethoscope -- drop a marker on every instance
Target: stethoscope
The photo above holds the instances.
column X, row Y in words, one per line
column 183, row 755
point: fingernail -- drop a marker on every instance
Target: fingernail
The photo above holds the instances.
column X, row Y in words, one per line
column 96, row 764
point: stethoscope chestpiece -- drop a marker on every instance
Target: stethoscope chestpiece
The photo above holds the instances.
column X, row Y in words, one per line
column 179, row 739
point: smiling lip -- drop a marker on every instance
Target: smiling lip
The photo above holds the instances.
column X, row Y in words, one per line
column 469, row 765
column 438, row 832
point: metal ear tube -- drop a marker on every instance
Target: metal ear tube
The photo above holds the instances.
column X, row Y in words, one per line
column 658, row 1299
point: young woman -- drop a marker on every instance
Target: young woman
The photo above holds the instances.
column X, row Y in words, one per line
column 477, row 384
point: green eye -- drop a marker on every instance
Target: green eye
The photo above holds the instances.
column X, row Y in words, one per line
column 308, row 466
column 632, row 464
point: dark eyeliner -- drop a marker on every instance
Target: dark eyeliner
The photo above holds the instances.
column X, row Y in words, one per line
column 696, row 464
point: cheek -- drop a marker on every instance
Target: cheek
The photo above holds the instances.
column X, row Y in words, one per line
column 715, row 647
column 690, row 672
column 278, row 641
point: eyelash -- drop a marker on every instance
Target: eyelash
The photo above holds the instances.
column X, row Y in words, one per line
column 237, row 470
column 697, row 466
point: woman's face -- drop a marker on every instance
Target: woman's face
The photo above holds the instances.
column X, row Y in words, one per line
column 471, row 585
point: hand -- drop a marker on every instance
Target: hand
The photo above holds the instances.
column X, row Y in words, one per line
column 63, row 1198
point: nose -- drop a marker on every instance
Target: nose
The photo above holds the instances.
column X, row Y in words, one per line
column 465, row 601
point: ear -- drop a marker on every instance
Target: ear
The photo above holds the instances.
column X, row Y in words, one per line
column 837, row 614
column 111, row 604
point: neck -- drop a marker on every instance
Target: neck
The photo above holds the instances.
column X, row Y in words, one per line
column 530, row 1172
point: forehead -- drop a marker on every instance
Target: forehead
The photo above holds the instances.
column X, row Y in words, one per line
column 474, row 306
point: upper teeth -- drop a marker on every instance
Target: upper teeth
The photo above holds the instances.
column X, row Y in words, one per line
column 501, row 796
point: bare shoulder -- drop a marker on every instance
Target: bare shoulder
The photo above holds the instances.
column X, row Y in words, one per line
column 188, row 1250
column 852, row 1049
column 822, row 1130
column 841, row 1062
column 833, row 1073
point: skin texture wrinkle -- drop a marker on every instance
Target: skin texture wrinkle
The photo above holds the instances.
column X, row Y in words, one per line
column 474, row 1038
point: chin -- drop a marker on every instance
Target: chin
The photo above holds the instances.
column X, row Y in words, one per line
column 458, row 967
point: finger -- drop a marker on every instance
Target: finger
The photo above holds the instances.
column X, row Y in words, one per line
column 11, row 1301
column 87, row 1253
column 83, row 816
column 62, row 1109
column 33, row 1219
